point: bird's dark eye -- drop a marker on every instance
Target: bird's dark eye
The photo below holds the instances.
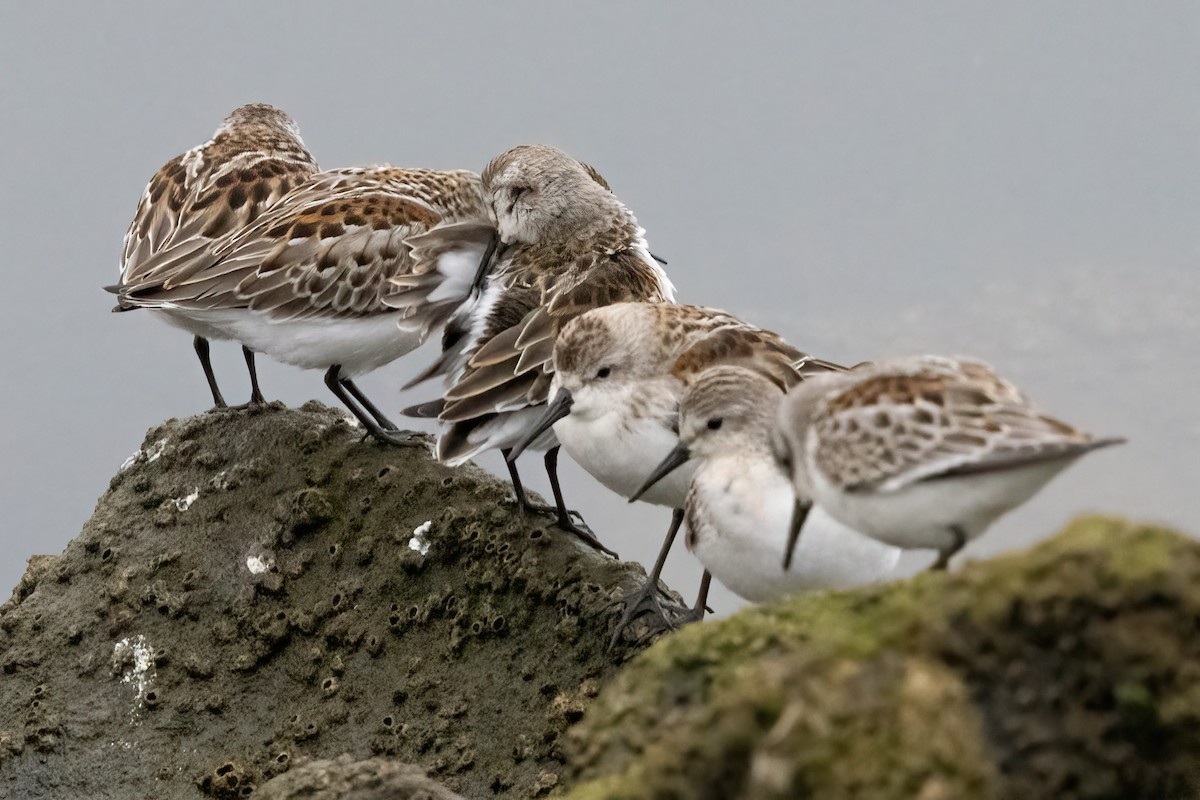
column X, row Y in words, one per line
column 714, row 424
column 604, row 372
column 517, row 191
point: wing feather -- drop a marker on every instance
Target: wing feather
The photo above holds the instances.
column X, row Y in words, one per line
column 327, row 249
column 886, row 431
column 732, row 342
column 511, row 370
column 195, row 203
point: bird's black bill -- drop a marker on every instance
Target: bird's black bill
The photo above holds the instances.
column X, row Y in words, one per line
column 674, row 460
column 486, row 263
column 799, row 514
column 558, row 408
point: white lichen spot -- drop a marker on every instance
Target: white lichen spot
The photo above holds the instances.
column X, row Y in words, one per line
column 145, row 456
column 184, row 503
column 133, row 659
column 418, row 541
column 258, row 565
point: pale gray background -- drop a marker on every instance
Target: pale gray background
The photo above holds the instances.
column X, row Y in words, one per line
column 1019, row 182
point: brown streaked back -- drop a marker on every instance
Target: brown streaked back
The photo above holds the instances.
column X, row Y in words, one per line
column 210, row 192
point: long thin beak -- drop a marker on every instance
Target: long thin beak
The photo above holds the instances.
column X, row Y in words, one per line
column 491, row 256
column 558, row 408
column 675, row 459
column 799, row 514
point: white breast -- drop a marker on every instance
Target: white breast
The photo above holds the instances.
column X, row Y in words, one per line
column 739, row 513
column 621, row 451
column 189, row 322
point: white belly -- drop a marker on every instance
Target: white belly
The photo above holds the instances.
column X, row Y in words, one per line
column 741, row 534
column 359, row 345
column 621, row 453
column 186, row 320
column 922, row 515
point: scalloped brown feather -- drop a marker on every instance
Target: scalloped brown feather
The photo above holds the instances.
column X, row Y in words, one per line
column 328, row 249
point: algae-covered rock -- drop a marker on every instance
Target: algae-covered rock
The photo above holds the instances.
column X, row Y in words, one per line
column 1069, row 671
column 261, row 587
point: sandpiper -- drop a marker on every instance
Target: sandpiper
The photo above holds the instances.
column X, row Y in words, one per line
column 921, row 452
column 307, row 282
column 199, row 199
column 566, row 245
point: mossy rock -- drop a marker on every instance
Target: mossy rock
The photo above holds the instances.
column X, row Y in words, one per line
column 1068, row 671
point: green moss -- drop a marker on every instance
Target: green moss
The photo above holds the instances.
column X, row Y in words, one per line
column 1066, row 671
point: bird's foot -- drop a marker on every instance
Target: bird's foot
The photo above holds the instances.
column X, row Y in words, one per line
column 541, row 508
column 396, row 438
column 250, row 405
column 643, row 602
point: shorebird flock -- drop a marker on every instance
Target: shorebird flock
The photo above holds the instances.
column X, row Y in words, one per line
column 559, row 329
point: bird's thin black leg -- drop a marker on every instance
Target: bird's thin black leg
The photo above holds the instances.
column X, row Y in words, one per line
column 645, row 598
column 201, row 345
column 944, row 556
column 564, row 515
column 371, row 408
column 701, row 606
column 527, row 505
column 518, row 488
column 334, row 381
column 256, row 395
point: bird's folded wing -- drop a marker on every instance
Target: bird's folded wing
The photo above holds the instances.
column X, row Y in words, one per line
column 181, row 223
column 746, row 346
column 513, row 368
column 883, row 433
column 450, row 264
column 327, row 250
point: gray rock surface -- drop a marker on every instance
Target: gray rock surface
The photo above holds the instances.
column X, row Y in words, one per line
column 346, row 779
column 257, row 587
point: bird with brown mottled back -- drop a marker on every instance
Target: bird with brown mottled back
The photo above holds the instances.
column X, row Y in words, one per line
column 566, row 245
column 922, row 452
column 202, row 197
column 307, row 281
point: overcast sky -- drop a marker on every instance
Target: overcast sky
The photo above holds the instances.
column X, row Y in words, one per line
column 1019, row 182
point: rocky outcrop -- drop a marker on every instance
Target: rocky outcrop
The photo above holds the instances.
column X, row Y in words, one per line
column 256, row 589
column 265, row 605
column 1070, row 671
